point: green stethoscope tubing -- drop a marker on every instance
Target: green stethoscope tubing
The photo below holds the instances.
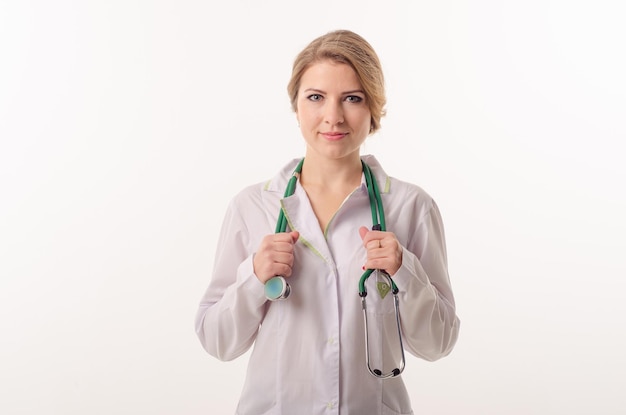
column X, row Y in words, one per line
column 277, row 288
column 281, row 224
column 378, row 221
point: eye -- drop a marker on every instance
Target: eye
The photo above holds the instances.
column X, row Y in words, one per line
column 354, row 99
column 314, row 97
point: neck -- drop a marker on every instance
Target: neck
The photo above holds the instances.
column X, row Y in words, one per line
column 331, row 173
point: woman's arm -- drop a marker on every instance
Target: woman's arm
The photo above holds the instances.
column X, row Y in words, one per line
column 429, row 322
column 233, row 305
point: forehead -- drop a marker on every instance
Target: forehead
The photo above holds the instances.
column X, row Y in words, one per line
column 330, row 76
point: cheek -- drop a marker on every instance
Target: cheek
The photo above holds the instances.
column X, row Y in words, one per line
column 362, row 119
column 307, row 116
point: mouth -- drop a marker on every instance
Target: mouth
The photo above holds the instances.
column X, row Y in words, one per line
column 333, row 135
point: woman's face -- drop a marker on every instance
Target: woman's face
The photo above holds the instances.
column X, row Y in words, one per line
column 331, row 109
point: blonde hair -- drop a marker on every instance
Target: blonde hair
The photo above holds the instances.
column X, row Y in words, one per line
column 344, row 46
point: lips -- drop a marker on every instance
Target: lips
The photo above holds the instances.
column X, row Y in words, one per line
column 333, row 136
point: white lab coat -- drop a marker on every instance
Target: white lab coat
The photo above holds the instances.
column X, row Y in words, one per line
column 309, row 350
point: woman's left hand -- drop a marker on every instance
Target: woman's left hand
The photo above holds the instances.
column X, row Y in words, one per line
column 383, row 250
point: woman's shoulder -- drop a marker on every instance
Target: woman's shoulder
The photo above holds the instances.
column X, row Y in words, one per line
column 409, row 192
column 400, row 190
column 276, row 185
column 249, row 194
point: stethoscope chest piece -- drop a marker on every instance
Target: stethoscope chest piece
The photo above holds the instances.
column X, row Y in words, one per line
column 276, row 288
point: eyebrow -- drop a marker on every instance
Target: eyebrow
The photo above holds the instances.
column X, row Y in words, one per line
column 343, row 93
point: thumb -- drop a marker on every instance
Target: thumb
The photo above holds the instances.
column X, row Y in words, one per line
column 363, row 231
column 294, row 236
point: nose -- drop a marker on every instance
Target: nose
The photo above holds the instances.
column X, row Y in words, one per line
column 333, row 113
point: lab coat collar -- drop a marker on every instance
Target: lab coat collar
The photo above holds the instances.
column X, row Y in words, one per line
column 280, row 181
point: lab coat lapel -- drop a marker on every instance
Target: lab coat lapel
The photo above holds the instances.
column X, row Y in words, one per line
column 300, row 216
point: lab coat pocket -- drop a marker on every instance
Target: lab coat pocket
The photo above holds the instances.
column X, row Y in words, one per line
column 395, row 398
column 387, row 411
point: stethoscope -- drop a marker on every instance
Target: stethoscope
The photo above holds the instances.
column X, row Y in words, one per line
column 277, row 287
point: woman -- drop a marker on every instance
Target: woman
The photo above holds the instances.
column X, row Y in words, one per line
column 309, row 353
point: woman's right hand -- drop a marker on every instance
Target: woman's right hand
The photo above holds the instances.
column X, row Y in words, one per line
column 275, row 255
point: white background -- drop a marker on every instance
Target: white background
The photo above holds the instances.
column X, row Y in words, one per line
column 127, row 126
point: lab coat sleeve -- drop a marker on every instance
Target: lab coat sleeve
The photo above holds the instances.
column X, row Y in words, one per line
column 233, row 305
column 430, row 325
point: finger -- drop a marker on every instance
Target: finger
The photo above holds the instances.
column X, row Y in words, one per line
column 295, row 235
column 363, row 231
column 282, row 247
column 284, row 237
column 268, row 269
column 281, row 269
column 376, row 263
column 382, row 259
column 373, row 244
column 373, row 235
column 284, row 241
column 284, row 258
